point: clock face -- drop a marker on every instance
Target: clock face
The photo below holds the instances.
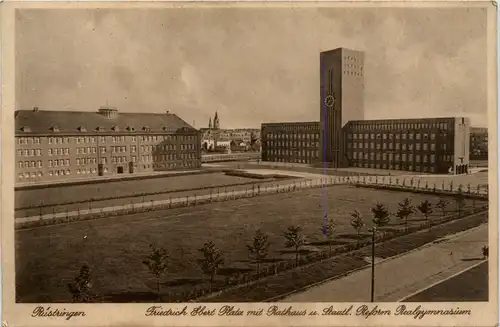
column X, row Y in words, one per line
column 329, row 101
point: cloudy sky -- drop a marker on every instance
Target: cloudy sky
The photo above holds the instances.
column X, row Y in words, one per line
column 252, row 65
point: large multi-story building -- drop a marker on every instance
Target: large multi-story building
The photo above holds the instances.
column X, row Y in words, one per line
column 433, row 145
column 342, row 100
column 61, row 145
column 478, row 143
column 291, row 142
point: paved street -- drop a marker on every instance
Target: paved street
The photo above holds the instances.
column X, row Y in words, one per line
column 471, row 285
column 405, row 275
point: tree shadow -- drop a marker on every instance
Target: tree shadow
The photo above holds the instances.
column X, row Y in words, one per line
column 327, row 242
column 183, row 281
column 354, row 236
column 231, row 271
column 301, row 252
column 272, row 260
column 389, row 228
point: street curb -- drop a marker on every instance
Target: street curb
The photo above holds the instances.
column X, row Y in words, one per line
column 446, row 238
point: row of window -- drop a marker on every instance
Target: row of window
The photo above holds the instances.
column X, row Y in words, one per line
column 294, row 136
column 396, row 157
column 416, row 168
column 284, row 152
column 102, row 139
column 59, row 152
column 293, row 143
column 29, row 153
column 402, row 125
column 391, row 136
column 397, row 146
column 291, row 160
column 30, row 164
column 403, row 157
column 87, row 161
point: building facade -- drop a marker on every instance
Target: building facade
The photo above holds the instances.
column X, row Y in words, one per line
column 63, row 145
column 434, row 145
column 291, row 142
column 341, row 100
column 478, row 143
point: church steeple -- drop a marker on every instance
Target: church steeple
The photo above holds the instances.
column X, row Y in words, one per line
column 210, row 123
column 216, row 121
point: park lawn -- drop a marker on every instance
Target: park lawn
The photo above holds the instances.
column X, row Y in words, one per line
column 272, row 288
column 48, row 258
column 70, row 193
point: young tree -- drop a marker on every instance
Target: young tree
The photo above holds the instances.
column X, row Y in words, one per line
column 380, row 215
column 328, row 229
column 80, row 288
column 295, row 240
column 425, row 208
column 442, row 204
column 405, row 210
column 156, row 261
column 258, row 250
column 211, row 261
column 357, row 222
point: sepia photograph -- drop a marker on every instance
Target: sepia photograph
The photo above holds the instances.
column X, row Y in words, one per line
column 281, row 154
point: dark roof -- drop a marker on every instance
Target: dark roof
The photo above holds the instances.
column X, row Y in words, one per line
column 41, row 121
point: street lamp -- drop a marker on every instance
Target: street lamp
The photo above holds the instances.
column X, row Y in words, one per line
column 373, row 230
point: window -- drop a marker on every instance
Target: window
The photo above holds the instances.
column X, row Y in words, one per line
column 50, row 152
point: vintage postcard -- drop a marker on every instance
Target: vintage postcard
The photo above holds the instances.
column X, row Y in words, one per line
column 249, row 164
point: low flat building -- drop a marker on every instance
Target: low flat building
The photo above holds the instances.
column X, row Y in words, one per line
column 63, row 145
column 291, row 142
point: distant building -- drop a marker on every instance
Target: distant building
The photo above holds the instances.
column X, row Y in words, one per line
column 433, row 145
column 62, row 145
column 291, row 142
column 342, row 100
column 478, row 143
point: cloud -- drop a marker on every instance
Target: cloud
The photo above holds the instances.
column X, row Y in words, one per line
column 252, row 65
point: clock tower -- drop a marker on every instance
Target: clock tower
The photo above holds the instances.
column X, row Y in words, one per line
column 341, row 94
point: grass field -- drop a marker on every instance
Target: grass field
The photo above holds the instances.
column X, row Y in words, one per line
column 48, row 258
column 121, row 188
column 469, row 286
column 176, row 186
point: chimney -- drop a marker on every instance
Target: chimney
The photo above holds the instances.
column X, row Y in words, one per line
column 168, row 112
column 35, row 109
